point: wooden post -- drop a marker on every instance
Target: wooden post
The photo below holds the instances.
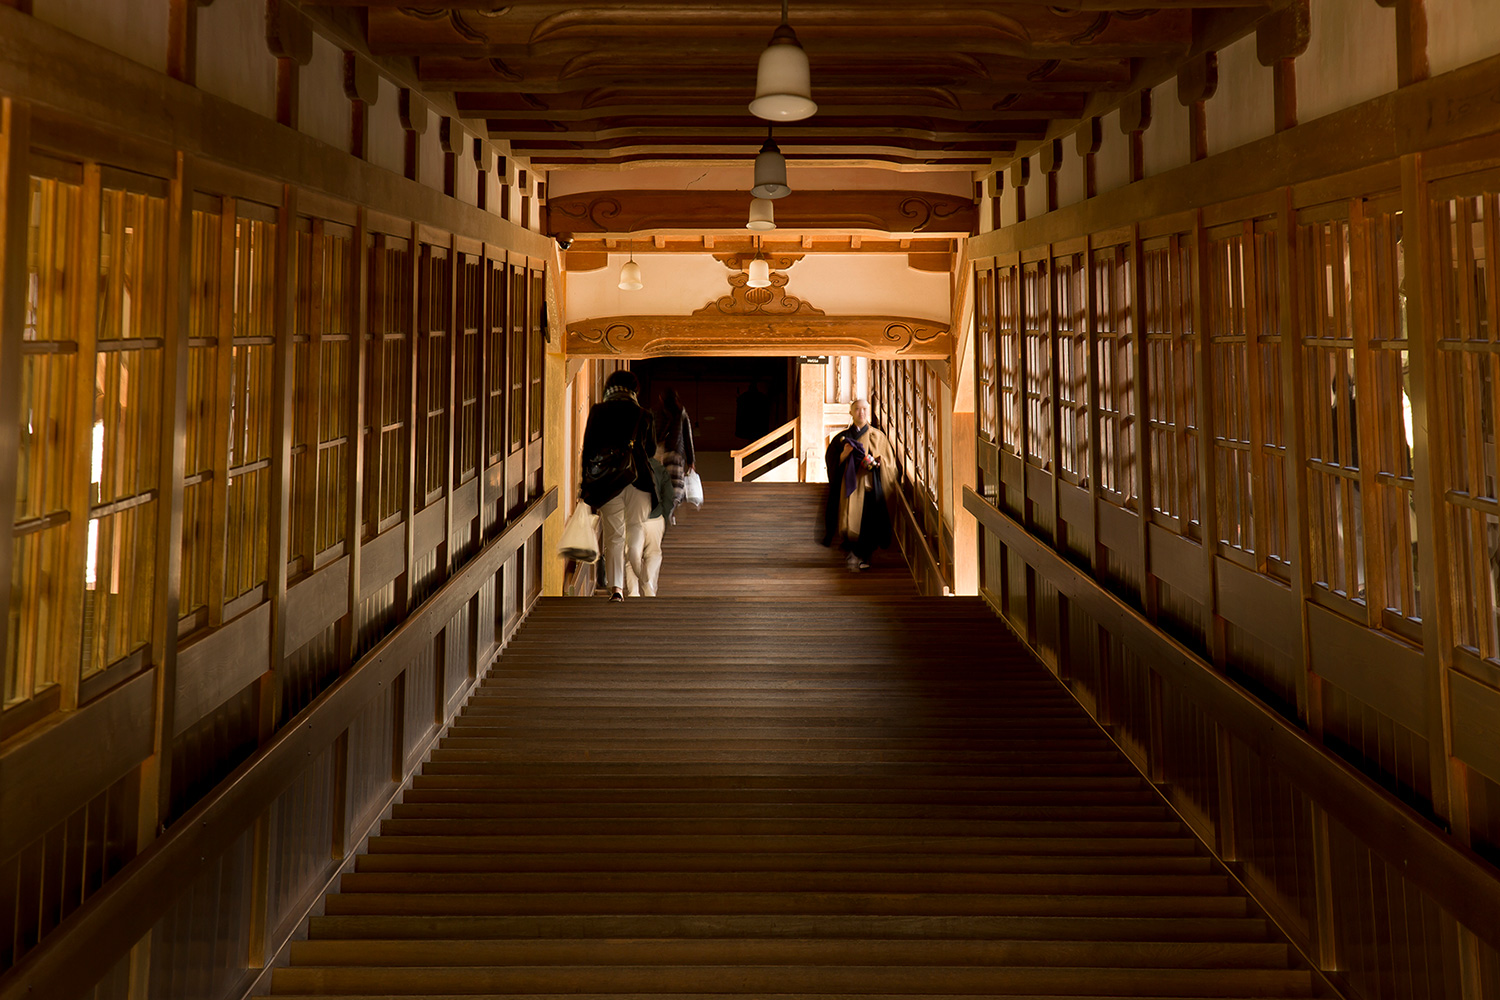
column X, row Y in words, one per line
column 1135, row 118
column 484, row 163
column 289, row 37
column 451, row 139
column 362, row 88
column 1020, row 175
column 1197, row 81
column 413, row 113
column 1279, row 40
column 359, row 361
column 1204, row 404
column 1052, row 159
column 1087, row 140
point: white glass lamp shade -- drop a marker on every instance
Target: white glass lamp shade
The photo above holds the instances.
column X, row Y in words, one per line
column 630, row 276
column 762, row 214
column 783, row 82
column 770, row 173
column 760, row 273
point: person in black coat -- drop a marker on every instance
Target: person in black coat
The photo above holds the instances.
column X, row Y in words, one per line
column 617, row 481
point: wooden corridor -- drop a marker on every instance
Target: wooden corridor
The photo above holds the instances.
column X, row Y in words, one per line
column 783, row 779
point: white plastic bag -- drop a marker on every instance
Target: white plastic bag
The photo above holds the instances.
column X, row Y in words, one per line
column 693, row 490
column 580, row 537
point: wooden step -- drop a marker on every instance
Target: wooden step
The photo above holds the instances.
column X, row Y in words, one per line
column 780, row 779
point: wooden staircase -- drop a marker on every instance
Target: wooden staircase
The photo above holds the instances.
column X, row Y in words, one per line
column 802, row 792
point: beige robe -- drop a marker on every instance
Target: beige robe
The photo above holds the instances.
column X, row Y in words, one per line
column 852, row 506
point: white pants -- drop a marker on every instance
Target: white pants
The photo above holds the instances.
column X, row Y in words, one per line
column 651, row 533
column 622, row 519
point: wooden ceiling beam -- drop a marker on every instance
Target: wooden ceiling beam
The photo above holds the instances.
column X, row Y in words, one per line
column 770, row 11
column 508, row 107
column 669, row 154
column 873, row 211
column 738, row 241
column 750, row 140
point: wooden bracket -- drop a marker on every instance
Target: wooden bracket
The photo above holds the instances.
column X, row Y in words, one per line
column 1198, row 79
column 1135, row 113
column 288, row 34
column 412, row 110
column 1284, row 35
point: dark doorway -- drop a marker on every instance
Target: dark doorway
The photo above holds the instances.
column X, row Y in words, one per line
column 714, row 392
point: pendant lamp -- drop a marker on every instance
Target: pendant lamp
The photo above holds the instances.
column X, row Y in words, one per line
column 630, row 274
column 770, row 171
column 762, row 215
column 783, row 82
column 759, row 270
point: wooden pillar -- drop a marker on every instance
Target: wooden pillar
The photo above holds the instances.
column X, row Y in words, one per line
column 1087, row 140
column 1279, row 40
column 413, row 112
column 289, row 37
column 1197, row 81
column 1135, row 118
column 1412, row 65
column 182, row 36
column 362, row 88
column 1052, row 159
column 451, row 139
column 15, row 203
column 1020, row 175
column 484, row 164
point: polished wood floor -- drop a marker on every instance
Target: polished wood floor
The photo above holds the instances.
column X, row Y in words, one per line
column 781, row 779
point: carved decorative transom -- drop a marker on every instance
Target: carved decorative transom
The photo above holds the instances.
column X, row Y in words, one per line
column 743, row 300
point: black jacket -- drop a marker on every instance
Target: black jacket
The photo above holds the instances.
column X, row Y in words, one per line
column 619, row 422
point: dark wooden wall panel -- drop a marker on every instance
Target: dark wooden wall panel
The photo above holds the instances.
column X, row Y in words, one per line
column 372, row 737
column 485, row 632
column 301, row 839
column 199, row 946
column 1129, row 686
column 1393, row 948
column 427, row 574
column 1484, row 815
column 1190, row 758
column 116, row 983
column 58, row 871
column 208, row 750
column 1183, row 616
column 1273, row 837
column 456, row 652
column 1271, row 674
column 421, row 701
column 309, row 670
column 377, row 614
column 1390, row 753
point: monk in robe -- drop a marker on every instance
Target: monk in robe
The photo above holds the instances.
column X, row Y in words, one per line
column 861, row 467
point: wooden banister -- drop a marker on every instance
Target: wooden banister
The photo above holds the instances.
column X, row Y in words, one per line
column 929, row 574
column 68, row 962
column 1456, row 878
column 788, row 430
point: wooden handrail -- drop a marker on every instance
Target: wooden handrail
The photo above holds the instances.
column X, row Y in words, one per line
column 1456, row 878
column 926, row 554
column 789, row 447
column 71, row 960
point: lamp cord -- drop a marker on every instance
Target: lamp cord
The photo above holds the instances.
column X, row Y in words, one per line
column 783, row 10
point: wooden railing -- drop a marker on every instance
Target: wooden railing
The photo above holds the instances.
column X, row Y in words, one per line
column 1251, row 748
column 782, row 443
column 926, row 567
column 335, row 739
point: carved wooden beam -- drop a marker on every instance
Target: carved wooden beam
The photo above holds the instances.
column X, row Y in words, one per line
column 759, row 336
column 879, row 211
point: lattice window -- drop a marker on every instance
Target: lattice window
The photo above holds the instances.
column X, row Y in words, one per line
column 49, row 375
column 247, row 507
column 931, row 438
column 1036, row 310
column 518, row 358
column 1464, row 239
column 1393, row 509
column 388, row 367
column 120, row 553
column 434, row 373
column 496, row 314
column 984, row 351
column 536, row 336
column 322, row 355
column 1172, row 410
column 1008, row 336
column 1249, row 447
column 1072, row 368
column 1330, row 387
column 1114, row 364
column 469, row 367
column 209, row 279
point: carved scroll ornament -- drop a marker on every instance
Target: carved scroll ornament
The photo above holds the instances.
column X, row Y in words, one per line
column 759, row 336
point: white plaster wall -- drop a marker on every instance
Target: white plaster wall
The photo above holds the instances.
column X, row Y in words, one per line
column 1070, row 179
column 387, row 139
column 1165, row 144
column 838, row 284
column 136, row 30
column 323, row 111
column 1460, row 32
column 740, row 177
column 430, row 153
column 1112, row 162
column 1244, row 107
column 233, row 61
column 870, row 285
column 674, row 285
column 1350, row 57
